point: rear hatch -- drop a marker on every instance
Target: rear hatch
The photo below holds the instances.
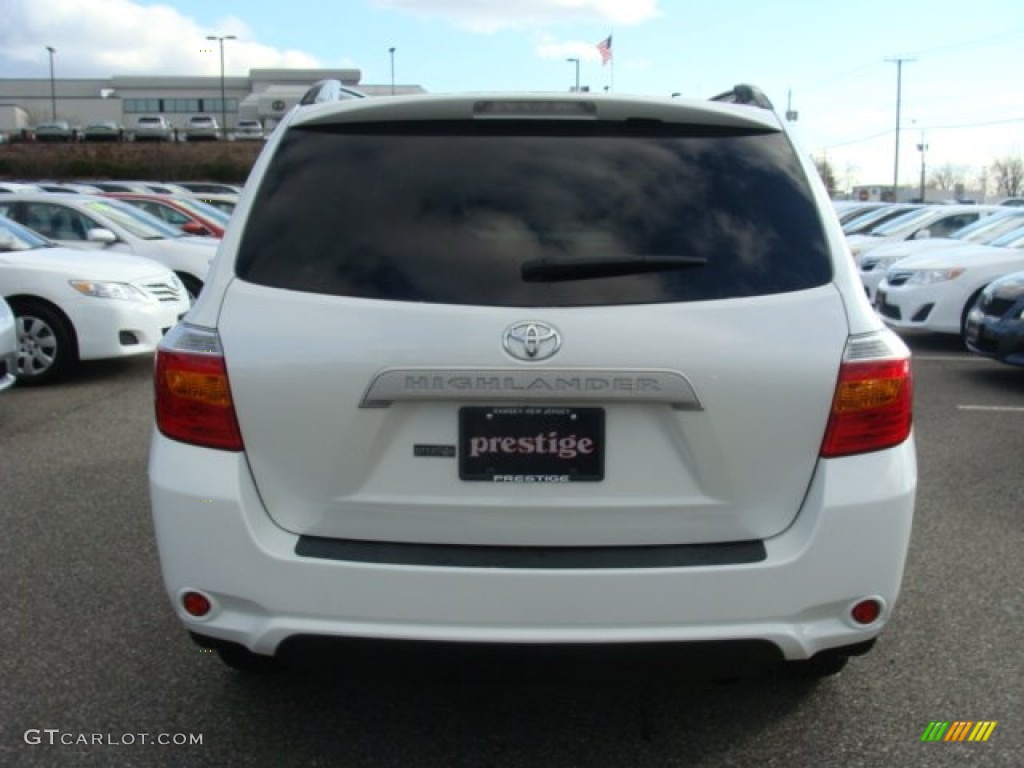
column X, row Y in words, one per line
column 534, row 331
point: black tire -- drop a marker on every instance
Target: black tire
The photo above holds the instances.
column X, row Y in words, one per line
column 193, row 285
column 240, row 658
column 815, row 668
column 47, row 347
column 967, row 310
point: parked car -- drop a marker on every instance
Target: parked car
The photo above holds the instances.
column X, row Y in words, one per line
column 210, row 187
column 153, row 128
column 223, row 202
column 15, row 187
column 995, row 325
column 876, row 263
column 880, row 215
column 249, row 130
column 8, row 344
column 935, row 291
column 56, row 130
column 475, row 369
column 202, row 128
column 105, row 130
column 193, row 217
column 65, row 187
column 91, row 221
column 76, row 305
column 848, row 210
column 922, row 224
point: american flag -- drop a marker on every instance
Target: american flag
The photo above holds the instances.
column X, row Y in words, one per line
column 605, row 49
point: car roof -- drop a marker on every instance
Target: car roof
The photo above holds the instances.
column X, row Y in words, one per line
column 525, row 105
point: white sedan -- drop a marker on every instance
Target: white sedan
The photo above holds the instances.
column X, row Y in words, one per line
column 875, row 264
column 935, row 291
column 8, row 346
column 87, row 221
column 75, row 305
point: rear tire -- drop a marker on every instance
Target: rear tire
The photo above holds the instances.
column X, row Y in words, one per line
column 46, row 343
column 240, row 658
column 815, row 668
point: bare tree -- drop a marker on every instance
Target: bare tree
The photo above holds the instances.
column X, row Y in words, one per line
column 1008, row 173
column 827, row 174
column 946, row 177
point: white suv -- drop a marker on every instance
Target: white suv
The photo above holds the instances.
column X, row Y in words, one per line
column 153, row 128
column 202, row 127
column 534, row 369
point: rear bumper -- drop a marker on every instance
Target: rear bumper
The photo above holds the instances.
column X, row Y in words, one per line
column 848, row 543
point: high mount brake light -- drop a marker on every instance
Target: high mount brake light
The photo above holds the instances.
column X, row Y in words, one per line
column 193, row 395
column 873, row 402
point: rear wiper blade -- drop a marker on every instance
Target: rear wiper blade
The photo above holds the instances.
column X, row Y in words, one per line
column 583, row 268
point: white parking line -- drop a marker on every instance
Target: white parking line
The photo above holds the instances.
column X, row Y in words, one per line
column 1001, row 408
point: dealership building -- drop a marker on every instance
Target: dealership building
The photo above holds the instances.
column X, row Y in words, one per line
column 265, row 95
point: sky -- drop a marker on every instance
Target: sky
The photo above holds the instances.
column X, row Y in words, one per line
column 834, row 63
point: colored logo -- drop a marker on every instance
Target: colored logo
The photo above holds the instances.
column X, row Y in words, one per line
column 958, row 730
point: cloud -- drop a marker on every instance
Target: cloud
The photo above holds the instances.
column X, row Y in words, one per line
column 494, row 15
column 120, row 37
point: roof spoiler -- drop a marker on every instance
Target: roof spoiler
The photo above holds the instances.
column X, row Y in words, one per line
column 329, row 90
column 745, row 94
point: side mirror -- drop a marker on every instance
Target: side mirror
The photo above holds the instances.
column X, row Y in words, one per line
column 923, row 234
column 195, row 228
column 100, row 235
column 7, row 241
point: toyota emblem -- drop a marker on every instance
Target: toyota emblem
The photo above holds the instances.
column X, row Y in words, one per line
column 531, row 341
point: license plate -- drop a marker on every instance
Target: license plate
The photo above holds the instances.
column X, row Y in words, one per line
column 531, row 444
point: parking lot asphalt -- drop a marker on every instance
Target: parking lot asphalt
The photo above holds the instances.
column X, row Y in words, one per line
column 97, row 671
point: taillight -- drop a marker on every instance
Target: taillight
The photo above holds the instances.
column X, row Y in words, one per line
column 193, row 395
column 873, row 401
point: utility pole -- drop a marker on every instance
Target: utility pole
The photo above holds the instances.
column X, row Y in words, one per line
column 899, row 95
column 391, row 51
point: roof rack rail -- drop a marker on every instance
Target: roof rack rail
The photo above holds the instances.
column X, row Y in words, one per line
column 329, row 90
column 745, row 94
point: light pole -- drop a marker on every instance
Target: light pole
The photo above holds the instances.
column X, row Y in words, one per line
column 577, row 63
column 391, row 51
column 223, row 100
column 53, row 86
column 922, row 148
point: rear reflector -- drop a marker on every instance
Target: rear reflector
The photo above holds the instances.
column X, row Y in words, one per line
column 193, row 396
column 872, row 406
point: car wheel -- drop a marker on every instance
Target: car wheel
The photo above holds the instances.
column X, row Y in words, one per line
column 967, row 310
column 240, row 658
column 815, row 668
column 46, row 343
column 192, row 285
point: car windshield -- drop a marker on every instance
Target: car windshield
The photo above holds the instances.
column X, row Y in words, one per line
column 1014, row 239
column 902, row 223
column 204, row 209
column 986, row 230
column 15, row 237
column 135, row 221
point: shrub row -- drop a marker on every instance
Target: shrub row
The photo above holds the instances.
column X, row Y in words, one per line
column 182, row 161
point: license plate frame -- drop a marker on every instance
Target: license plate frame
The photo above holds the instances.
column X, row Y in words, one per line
column 531, row 444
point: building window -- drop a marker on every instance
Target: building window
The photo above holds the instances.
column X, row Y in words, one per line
column 141, row 106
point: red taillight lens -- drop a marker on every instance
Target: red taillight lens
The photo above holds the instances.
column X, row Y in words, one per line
column 871, row 409
column 193, row 400
column 195, row 604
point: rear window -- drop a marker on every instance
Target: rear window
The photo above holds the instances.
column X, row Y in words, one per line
column 463, row 212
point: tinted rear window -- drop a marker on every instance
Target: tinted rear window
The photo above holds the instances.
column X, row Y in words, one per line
column 450, row 212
